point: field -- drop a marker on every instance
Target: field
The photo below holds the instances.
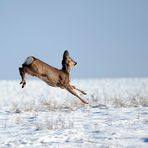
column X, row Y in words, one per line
column 42, row 116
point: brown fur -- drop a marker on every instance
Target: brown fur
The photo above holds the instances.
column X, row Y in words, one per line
column 51, row 75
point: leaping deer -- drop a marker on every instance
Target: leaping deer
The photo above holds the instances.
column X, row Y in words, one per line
column 51, row 75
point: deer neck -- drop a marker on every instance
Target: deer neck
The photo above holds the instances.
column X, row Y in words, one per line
column 66, row 69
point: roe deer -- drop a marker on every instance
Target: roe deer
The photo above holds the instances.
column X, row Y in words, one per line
column 50, row 75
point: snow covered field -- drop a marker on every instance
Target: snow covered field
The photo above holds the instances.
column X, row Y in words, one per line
column 42, row 116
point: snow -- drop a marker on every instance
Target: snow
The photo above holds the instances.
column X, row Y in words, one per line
column 43, row 116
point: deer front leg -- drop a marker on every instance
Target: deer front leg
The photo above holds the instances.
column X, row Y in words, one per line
column 22, row 74
column 79, row 90
column 70, row 89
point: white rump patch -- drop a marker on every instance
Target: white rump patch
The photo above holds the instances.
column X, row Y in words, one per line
column 28, row 61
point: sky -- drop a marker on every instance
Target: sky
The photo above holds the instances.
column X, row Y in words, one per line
column 107, row 38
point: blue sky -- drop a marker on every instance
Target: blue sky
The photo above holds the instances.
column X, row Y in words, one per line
column 108, row 38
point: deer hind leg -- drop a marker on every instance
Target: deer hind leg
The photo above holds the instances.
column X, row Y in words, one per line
column 70, row 89
column 79, row 90
column 22, row 74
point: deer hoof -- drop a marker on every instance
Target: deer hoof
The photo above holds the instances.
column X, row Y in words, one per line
column 84, row 93
column 23, row 83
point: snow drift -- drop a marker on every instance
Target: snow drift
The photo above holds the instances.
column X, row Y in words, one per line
column 109, row 92
column 42, row 116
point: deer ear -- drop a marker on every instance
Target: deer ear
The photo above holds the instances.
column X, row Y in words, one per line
column 66, row 53
column 64, row 61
